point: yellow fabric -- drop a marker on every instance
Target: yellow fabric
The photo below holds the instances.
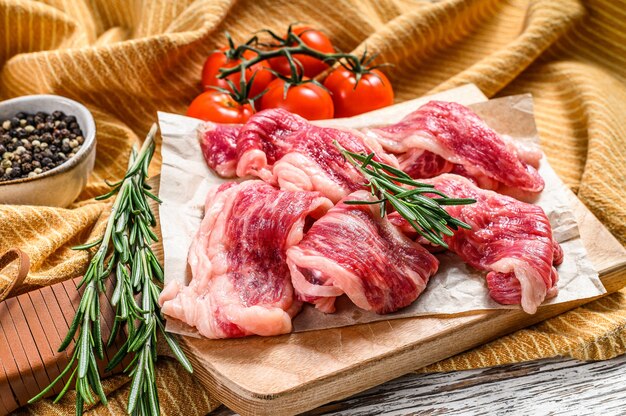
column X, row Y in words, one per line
column 127, row 59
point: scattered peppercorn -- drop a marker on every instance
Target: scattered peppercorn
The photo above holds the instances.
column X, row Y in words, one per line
column 31, row 144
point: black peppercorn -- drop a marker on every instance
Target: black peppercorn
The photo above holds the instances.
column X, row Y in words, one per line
column 34, row 143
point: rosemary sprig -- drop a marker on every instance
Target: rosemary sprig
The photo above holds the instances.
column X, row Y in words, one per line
column 129, row 234
column 136, row 274
column 408, row 197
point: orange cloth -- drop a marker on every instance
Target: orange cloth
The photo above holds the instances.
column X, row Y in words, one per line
column 125, row 60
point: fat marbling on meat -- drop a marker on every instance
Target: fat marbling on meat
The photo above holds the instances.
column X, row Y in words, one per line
column 353, row 250
column 240, row 280
column 440, row 132
column 510, row 239
column 285, row 150
column 218, row 143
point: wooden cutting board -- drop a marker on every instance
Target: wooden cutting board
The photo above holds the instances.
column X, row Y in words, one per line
column 293, row 373
column 289, row 374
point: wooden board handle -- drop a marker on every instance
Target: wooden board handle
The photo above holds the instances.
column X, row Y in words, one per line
column 16, row 272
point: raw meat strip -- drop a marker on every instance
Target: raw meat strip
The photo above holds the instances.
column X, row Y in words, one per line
column 286, row 150
column 353, row 250
column 456, row 134
column 219, row 147
column 240, row 280
column 423, row 164
column 509, row 238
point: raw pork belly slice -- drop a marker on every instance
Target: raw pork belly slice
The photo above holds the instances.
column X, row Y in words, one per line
column 509, row 238
column 423, row 164
column 241, row 283
column 456, row 134
column 285, row 150
column 353, row 250
column 219, row 147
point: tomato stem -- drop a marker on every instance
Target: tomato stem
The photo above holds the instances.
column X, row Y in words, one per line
column 287, row 51
column 240, row 93
column 290, row 45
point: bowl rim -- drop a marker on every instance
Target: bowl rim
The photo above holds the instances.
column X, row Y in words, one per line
column 84, row 150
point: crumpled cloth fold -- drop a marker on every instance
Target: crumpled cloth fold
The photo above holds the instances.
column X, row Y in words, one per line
column 125, row 60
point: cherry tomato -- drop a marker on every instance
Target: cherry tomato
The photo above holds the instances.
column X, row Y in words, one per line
column 373, row 91
column 312, row 66
column 219, row 107
column 308, row 100
column 218, row 59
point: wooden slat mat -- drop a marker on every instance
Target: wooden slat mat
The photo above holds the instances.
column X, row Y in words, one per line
column 32, row 326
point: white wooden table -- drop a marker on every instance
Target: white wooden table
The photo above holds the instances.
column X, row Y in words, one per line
column 546, row 387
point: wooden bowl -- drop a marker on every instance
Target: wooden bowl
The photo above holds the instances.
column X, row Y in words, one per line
column 59, row 186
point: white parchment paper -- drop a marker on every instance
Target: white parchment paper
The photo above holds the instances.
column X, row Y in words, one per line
column 456, row 288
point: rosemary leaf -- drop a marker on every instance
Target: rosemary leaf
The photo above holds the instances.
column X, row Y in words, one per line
column 79, row 405
column 83, row 349
column 135, row 386
column 65, row 387
column 178, row 353
column 424, row 213
column 379, row 201
column 87, row 245
column 118, row 357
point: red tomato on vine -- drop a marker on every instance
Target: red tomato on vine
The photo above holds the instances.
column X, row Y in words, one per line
column 312, row 66
column 307, row 99
column 372, row 91
column 219, row 107
column 220, row 59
